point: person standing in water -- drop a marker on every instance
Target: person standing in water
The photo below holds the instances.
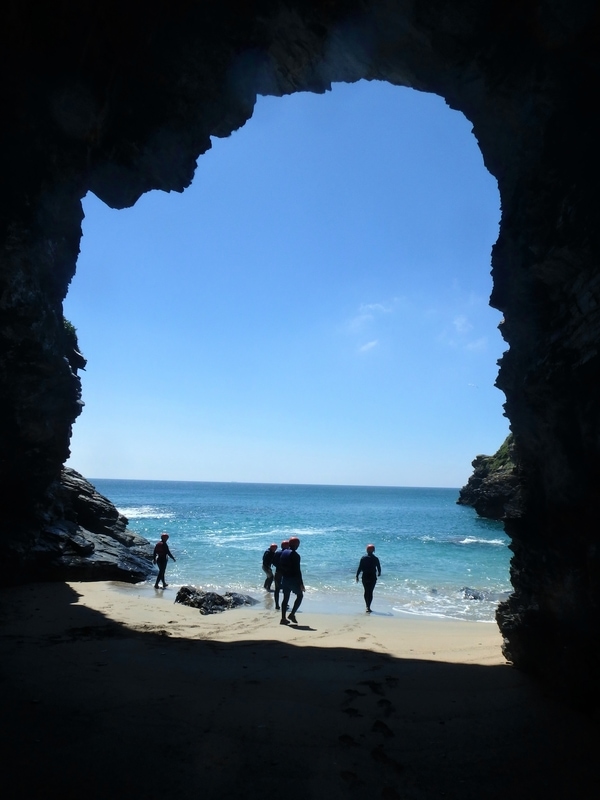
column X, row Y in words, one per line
column 267, row 561
column 371, row 570
column 291, row 581
column 161, row 555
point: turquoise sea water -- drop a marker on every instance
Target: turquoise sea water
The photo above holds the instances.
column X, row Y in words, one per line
column 431, row 549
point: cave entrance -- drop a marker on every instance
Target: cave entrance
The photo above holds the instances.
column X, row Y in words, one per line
column 321, row 288
column 313, row 310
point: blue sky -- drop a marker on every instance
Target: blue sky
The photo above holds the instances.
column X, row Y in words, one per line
column 313, row 309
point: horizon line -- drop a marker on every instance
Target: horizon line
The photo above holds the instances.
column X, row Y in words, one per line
column 275, row 483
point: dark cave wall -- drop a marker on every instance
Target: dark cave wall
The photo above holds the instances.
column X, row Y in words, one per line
column 122, row 97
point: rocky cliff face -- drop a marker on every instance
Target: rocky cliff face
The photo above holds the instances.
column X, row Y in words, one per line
column 494, row 488
column 122, row 97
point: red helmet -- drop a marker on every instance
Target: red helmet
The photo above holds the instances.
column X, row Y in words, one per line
column 370, row 548
column 272, row 547
column 294, row 542
column 164, row 536
column 285, row 544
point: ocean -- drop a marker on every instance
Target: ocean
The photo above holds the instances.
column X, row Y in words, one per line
column 438, row 559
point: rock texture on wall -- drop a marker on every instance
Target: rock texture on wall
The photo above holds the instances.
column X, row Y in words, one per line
column 122, row 96
column 82, row 538
column 494, row 488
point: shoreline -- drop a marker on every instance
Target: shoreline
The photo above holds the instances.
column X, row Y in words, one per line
column 316, row 601
column 106, row 689
column 346, row 600
column 400, row 635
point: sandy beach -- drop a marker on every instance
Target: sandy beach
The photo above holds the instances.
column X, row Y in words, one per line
column 114, row 689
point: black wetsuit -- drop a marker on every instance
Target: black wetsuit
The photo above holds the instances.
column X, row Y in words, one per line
column 161, row 556
column 267, row 560
column 370, row 568
column 275, row 562
column 291, row 580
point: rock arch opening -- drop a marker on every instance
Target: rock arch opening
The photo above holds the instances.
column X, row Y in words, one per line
column 124, row 102
column 273, row 322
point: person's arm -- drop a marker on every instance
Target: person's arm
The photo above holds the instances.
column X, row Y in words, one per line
column 378, row 568
column 299, row 570
column 359, row 570
column 169, row 553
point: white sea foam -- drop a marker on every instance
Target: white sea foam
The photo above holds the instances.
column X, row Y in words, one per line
column 478, row 540
column 145, row 512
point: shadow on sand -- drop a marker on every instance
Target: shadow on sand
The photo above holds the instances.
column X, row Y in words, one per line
column 91, row 709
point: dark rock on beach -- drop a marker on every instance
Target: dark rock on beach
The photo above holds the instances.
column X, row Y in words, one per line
column 473, row 594
column 211, row 602
column 494, row 488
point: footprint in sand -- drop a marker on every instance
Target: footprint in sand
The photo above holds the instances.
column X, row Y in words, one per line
column 374, row 668
column 374, row 686
column 379, row 755
column 380, row 727
column 386, row 706
column 352, row 712
column 352, row 693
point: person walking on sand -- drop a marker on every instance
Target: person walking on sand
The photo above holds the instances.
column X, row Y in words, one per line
column 267, row 562
column 161, row 555
column 276, row 559
column 291, row 580
column 371, row 570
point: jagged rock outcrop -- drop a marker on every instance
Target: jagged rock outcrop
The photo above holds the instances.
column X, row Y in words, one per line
column 120, row 98
column 83, row 538
column 494, row 488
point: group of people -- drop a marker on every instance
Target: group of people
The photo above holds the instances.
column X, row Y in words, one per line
column 288, row 575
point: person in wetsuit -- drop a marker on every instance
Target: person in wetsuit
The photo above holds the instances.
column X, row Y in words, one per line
column 267, row 561
column 291, row 580
column 161, row 555
column 371, row 570
column 276, row 558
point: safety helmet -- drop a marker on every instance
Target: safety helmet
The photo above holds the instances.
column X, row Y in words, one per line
column 164, row 536
column 285, row 544
column 272, row 547
column 294, row 543
column 370, row 548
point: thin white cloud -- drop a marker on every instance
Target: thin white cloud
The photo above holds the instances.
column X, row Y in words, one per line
column 367, row 312
column 359, row 321
column 474, row 346
column 477, row 344
column 461, row 324
column 368, row 346
column 376, row 308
